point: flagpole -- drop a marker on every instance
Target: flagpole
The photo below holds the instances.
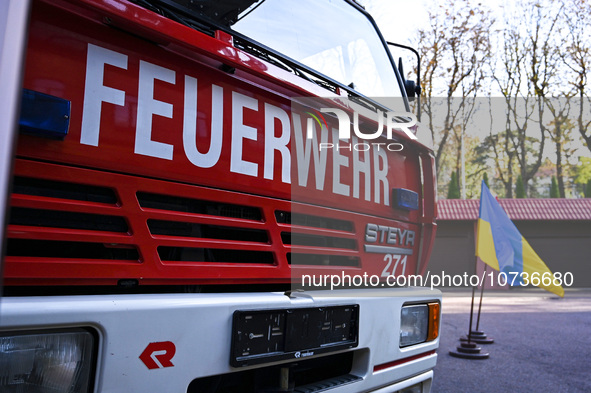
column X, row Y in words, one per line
column 471, row 314
column 477, row 335
column 480, row 304
column 470, row 350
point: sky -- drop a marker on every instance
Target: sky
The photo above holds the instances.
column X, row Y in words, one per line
column 399, row 20
column 392, row 17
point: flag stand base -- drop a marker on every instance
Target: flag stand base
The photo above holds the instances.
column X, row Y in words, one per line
column 479, row 338
column 469, row 350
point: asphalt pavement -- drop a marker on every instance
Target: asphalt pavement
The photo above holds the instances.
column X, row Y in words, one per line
column 542, row 343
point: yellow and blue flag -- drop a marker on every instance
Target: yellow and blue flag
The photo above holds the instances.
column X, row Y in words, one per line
column 500, row 245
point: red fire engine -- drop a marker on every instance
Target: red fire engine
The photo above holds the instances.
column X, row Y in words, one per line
column 183, row 204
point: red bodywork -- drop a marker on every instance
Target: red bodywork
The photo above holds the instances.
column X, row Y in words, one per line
column 209, row 208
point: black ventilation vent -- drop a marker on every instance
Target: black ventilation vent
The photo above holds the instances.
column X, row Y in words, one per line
column 196, row 206
column 191, row 254
column 322, row 259
column 285, row 217
column 312, row 375
column 68, row 220
column 299, row 239
column 63, row 190
column 69, row 250
column 186, row 229
column 328, row 384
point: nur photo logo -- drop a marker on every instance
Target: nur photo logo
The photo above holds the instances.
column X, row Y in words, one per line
column 362, row 140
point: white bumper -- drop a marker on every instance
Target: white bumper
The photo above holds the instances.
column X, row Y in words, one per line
column 200, row 327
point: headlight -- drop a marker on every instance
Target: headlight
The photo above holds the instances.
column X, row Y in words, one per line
column 46, row 362
column 419, row 323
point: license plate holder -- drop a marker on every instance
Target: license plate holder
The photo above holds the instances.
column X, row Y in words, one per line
column 264, row 336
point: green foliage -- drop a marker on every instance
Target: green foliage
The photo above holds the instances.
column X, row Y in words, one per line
column 475, row 167
column 554, row 192
column 582, row 171
column 519, row 188
column 453, row 190
column 588, row 189
column 485, row 179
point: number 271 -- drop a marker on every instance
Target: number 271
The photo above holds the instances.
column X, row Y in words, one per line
column 397, row 259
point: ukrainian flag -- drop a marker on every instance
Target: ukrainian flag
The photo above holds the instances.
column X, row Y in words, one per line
column 500, row 245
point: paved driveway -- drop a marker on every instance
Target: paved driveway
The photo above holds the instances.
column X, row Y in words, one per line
column 542, row 344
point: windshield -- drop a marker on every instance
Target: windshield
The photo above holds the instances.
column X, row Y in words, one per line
column 329, row 36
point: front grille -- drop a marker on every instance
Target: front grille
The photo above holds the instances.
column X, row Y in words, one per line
column 110, row 227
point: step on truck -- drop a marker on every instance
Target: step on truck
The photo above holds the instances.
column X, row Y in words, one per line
column 211, row 197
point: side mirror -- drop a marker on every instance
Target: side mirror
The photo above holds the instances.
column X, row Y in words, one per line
column 412, row 88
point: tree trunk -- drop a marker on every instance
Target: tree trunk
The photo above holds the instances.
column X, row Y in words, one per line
column 559, row 168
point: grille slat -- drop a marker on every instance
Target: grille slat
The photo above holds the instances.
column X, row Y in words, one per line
column 58, row 234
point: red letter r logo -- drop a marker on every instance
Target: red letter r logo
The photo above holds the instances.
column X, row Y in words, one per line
column 158, row 355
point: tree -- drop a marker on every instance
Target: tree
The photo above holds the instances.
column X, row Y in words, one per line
column 519, row 188
column 453, row 190
column 554, row 192
column 576, row 55
column 470, row 169
column 510, row 79
column 494, row 147
column 540, row 67
column 582, row 175
column 588, row 189
column 485, row 179
column 560, row 131
column 453, row 50
column 529, row 60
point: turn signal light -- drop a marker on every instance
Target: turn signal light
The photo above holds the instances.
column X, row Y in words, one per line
column 434, row 319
